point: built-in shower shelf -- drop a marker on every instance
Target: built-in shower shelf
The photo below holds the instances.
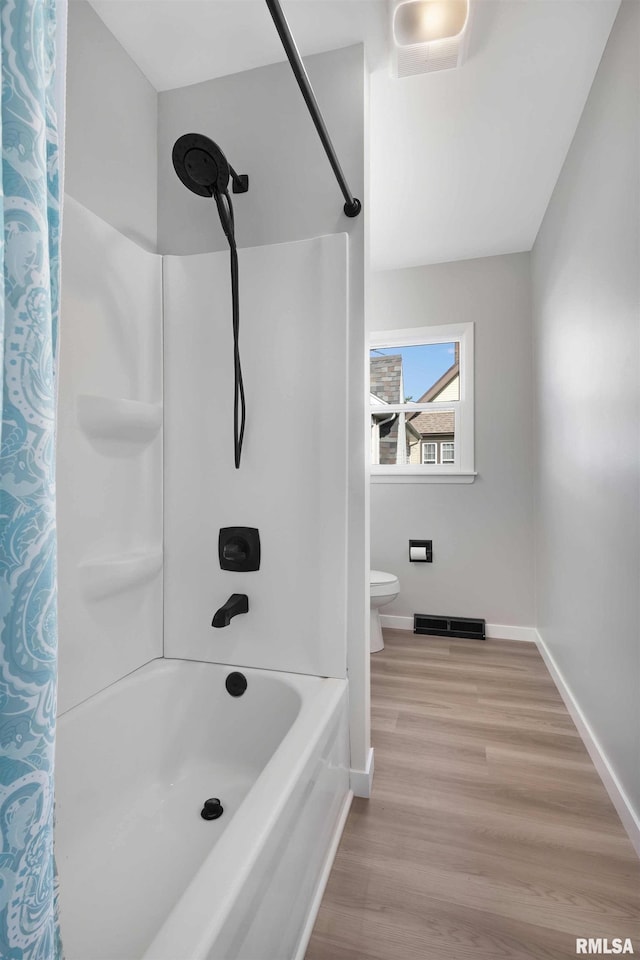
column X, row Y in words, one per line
column 105, row 576
column 107, row 418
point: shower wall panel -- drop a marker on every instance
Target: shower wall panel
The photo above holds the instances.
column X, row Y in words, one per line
column 292, row 482
column 109, row 457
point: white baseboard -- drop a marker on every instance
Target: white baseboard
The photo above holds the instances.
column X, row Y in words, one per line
column 498, row 631
column 396, row 623
column 323, row 879
column 361, row 781
column 494, row 631
column 621, row 802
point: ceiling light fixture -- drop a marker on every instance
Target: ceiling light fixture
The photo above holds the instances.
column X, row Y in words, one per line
column 428, row 35
column 424, row 21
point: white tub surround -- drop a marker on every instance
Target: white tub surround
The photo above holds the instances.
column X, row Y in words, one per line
column 106, row 418
column 109, row 456
column 292, row 481
column 142, row 874
column 292, row 484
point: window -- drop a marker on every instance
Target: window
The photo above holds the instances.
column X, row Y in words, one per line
column 421, row 404
column 429, row 452
column 448, row 450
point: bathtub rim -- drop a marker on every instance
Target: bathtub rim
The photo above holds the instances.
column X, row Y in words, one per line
column 194, row 923
column 290, row 678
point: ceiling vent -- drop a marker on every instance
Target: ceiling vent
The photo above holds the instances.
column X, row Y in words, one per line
column 415, row 22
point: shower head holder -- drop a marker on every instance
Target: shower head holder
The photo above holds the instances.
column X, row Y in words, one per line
column 240, row 181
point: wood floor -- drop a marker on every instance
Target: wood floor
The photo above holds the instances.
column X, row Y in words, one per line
column 489, row 835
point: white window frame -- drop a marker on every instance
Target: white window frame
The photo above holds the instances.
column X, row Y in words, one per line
column 462, row 470
column 447, row 443
column 429, row 443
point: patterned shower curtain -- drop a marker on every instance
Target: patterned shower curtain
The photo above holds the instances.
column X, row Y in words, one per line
column 29, row 259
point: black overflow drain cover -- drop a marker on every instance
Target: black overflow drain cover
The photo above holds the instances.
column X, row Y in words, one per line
column 212, row 809
column 236, row 684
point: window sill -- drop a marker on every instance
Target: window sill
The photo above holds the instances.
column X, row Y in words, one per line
column 394, row 477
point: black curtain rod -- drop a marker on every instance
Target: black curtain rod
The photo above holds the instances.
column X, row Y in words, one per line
column 352, row 206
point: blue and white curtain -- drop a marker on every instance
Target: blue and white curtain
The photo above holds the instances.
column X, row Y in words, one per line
column 29, row 269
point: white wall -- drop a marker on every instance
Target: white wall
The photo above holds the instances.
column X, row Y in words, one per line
column 291, row 483
column 109, row 457
column 111, row 130
column 482, row 532
column 587, row 374
column 261, row 122
column 109, row 487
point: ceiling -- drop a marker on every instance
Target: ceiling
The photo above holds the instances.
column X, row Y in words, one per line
column 178, row 42
column 462, row 162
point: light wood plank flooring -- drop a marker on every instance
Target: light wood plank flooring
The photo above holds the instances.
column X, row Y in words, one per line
column 489, row 835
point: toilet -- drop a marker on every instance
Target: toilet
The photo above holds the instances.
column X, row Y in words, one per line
column 384, row 587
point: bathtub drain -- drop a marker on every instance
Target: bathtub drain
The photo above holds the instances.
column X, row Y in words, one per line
column 212, row 809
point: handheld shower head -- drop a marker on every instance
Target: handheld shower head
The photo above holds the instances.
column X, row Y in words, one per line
column 203, row 168
column 200, row 164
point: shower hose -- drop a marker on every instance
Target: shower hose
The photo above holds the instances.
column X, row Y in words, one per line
column 225, row 211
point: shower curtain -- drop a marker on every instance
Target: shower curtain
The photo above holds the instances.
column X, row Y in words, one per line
column 29, row 255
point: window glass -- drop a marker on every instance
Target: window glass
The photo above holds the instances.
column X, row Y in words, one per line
column 421, row 403
column 413, row 376
column 404, row 438
column 429, row 452
column 448, row 452
column 426, row 373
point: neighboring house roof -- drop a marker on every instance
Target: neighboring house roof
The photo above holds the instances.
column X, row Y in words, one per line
column 442, row 421
column 386, row 377
column 438, row 421
column 410, row 428
column 441, row 384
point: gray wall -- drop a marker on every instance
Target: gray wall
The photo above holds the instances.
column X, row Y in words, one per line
column 587, row 340
column 111, row 130
column 482, row 532
column 259, row 119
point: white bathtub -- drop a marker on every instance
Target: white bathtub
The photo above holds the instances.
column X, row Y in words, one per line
column 142, row 875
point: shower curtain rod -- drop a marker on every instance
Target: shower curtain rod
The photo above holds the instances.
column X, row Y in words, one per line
column 352, row 205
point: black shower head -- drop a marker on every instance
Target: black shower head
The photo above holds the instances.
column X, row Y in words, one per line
column 200, row 164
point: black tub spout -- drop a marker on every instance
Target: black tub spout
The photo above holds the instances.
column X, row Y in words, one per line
column 237, row 603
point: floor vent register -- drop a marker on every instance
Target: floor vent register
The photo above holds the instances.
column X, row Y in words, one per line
column 465, row 628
